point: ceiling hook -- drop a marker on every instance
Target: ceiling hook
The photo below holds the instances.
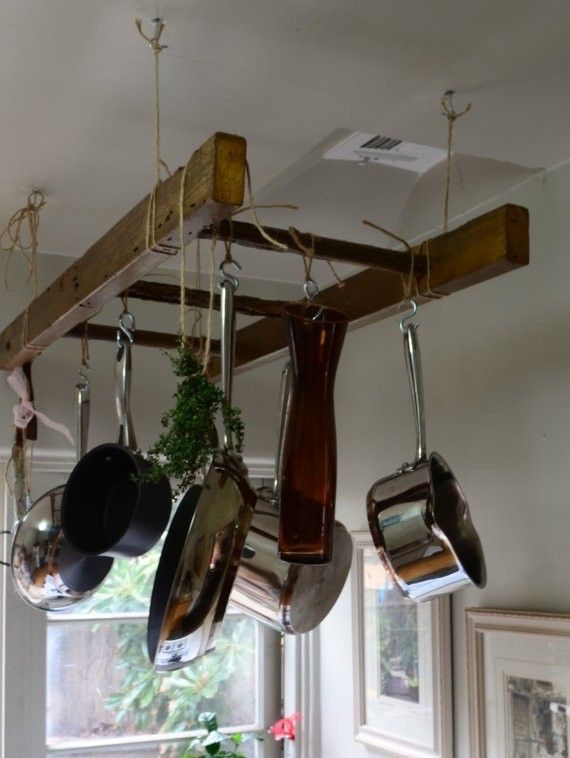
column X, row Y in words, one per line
column 126, row 328
column 404, row 322
column 226, row 276
column 448, row 95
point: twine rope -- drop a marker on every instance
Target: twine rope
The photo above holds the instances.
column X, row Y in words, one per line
column 157, row 48
column 12, row 237
column 85, row 351
column 451, row 115
column 207, row 347
column 410, row 279
column 182, row 272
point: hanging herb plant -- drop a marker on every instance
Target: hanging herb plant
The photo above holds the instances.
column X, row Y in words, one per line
column 189, row 439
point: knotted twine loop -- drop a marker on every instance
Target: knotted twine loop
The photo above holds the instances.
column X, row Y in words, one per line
column 308, row 252
column 451, row 115
column 409, row 280
column 157, row 48
column 12, row 236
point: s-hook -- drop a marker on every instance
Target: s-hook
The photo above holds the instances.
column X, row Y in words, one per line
column 311, row 289
column 404, row 322
column 126, row 328
column 225, row 276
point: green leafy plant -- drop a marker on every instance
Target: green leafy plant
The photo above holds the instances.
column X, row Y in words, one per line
column 216, row 744
column 189, row 439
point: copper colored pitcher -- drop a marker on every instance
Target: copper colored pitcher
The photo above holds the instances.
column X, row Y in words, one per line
column 308, row 482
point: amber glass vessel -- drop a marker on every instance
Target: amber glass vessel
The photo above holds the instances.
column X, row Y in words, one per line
column 307, row 483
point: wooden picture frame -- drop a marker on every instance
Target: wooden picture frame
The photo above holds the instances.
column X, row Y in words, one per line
column 402, row 664
column 518, row 675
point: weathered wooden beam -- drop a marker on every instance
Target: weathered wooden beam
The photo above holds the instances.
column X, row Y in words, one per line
column 170, row 293
column 142, row 338
column 214, row 188
column 481, row 249
column 324, row 248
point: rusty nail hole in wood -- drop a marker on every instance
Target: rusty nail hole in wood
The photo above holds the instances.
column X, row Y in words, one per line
column 8, row 345
column 135, row 249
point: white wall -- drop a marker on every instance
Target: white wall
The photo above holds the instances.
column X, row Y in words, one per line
column 497, row 376
column 497, row 382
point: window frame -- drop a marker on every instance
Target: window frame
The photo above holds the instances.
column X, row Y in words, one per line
column 23, row 649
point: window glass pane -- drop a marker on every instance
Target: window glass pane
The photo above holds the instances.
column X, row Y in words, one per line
column 100, row 683
column 127, row 589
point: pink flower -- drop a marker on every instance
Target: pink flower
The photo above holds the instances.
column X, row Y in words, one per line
column 284, row 729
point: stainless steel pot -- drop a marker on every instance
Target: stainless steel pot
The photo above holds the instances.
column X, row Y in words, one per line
column 292, row 598
column 196, row 575
column 48, row 574
column 419, row 517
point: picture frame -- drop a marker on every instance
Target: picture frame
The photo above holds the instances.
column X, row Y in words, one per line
column 403, row 703
column 518, row 677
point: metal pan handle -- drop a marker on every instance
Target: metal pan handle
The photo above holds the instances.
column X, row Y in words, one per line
column 83, row 406
column 228, row 286
column 123, row 381
column 414, row 368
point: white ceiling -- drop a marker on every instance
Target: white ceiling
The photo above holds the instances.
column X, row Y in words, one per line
column 76, row 83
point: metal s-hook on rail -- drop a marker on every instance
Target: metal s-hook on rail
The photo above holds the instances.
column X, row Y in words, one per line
column 126, row 328
column 311, row 289
column 407, row 318
column 225, row 276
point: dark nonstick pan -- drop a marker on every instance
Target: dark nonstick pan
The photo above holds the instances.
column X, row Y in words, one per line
column 188, row 604
column 107, row 508
column 47, row 573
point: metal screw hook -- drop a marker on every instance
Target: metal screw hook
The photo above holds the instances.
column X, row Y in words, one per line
column 449, row 93
column 404, row 322
column 225, row 276
column 126, row 328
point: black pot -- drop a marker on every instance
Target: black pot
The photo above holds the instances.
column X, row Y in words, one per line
column 107, row 507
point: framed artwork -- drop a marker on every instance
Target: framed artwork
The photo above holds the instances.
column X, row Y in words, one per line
column 402, row 663
column 519, row 683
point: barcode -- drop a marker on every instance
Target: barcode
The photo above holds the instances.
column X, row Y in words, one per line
column 382, row 143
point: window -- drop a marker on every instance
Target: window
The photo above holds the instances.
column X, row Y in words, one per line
column 79, row 683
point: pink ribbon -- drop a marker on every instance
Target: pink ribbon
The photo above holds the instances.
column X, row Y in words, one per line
column 24, row 411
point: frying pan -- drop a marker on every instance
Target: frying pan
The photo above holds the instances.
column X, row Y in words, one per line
column 419, row 517
column 291, row 598
column 188, row 604
column 48, row 574
column 108, row 508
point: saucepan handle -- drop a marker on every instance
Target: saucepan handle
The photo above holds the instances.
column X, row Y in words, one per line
column 123, row 381
column 228, row 286
column 83, row 406
column 414, row 368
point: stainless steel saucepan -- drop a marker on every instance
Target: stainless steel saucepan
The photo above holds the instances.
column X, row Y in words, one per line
column 419, row 517
column 292, row 598
column 48, row 574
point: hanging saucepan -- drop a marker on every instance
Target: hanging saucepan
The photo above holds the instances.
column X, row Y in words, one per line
column 48, row 574
column 291, row 598
column 195, row 577
column 419, row 517
column 108, row 507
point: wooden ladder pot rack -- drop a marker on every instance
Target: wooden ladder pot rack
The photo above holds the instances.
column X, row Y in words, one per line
column 485, row 247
